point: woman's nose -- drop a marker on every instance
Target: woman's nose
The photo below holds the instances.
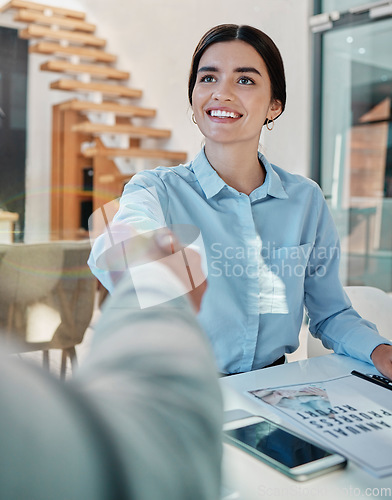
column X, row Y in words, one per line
column 223, row 92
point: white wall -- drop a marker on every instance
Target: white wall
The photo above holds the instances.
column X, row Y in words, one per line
column 154, row 40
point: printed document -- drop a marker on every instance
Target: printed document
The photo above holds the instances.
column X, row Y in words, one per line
column 349, row 415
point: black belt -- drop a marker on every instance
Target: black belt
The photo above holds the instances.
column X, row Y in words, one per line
column 279, row 361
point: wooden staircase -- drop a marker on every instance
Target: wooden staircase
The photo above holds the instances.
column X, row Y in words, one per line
column 106, row 89
column 109, row 107
column 77, row 37
column 43, row 8
column 29, row 16
column 94, row 131
column 91, row 69
column 56, row 49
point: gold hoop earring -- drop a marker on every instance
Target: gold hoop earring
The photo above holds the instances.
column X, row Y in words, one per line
column 268, row 122
column 194, row 119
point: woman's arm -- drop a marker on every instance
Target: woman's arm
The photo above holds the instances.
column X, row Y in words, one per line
column 332, row 317
column 141, row 208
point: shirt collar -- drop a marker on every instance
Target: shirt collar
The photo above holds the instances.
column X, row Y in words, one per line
column 272, row 184
column 212, row 184
column 209, row 180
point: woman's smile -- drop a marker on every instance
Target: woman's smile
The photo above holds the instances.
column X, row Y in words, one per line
column 223, row 115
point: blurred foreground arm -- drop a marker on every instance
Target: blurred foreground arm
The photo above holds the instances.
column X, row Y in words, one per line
column 141, row 420
column 165, row 411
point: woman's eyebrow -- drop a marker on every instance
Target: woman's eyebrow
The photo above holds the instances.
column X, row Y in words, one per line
column 247, row 69
column 242, row 69
column 208, row 68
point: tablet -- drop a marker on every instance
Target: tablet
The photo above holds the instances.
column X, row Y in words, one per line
column 287, row 452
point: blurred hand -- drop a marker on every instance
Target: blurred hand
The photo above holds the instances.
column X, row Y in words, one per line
column 185, row 263
column 126, row 248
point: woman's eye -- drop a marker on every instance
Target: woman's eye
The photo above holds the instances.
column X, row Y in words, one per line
column 207, row 79
column 245, row 81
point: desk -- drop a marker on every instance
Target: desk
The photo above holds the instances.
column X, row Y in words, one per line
column 255, row 480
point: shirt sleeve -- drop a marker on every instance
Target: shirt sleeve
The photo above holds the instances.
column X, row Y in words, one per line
column 152, row 377
column 332, row 317
column 143, row 205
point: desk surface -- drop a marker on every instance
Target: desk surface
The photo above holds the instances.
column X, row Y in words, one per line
column 255, row 480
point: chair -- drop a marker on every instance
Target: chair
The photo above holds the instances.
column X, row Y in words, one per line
column 372, row 304
column 47, row 295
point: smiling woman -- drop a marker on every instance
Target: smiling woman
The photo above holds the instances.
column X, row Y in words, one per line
column 253, row 307
column 232, row 100
column 236, row 85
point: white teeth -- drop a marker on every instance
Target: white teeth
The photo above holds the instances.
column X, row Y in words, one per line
column 223, row 114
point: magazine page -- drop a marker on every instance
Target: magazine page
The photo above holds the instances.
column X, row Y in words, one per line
column 348, row 414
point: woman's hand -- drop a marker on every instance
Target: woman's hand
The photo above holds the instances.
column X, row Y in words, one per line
column 382, row 359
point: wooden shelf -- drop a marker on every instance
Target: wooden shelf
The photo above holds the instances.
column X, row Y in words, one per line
column 67, row 194
column 21, row 4
column 34, row 31
column 93, row 70
column 160, row 154
column 28, row 16
column 52, row 48
column 108, row 107
column 105, row 88
column 133, row 131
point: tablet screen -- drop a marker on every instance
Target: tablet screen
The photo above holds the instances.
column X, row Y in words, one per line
column 278, row 444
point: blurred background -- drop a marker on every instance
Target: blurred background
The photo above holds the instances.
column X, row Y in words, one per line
column 94, row 92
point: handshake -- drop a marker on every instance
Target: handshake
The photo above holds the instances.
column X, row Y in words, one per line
column 122, row 250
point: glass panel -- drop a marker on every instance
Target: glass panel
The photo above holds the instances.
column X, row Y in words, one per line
column 356, row 148
column 18, row 100
column 343, row 5
column 13, row 91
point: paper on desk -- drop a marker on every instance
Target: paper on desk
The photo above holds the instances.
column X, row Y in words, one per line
column 348, row 414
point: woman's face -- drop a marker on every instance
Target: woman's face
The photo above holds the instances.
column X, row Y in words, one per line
column 232, row 95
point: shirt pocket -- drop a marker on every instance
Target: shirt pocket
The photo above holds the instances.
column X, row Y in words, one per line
column 281, row 279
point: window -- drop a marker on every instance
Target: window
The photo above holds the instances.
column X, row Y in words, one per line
column 13, row 90
column 352, row 150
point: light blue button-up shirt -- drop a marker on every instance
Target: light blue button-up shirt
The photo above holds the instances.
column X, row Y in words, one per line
column 269, row 255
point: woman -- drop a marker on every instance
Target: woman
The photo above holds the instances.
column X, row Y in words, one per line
column 271, row 245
